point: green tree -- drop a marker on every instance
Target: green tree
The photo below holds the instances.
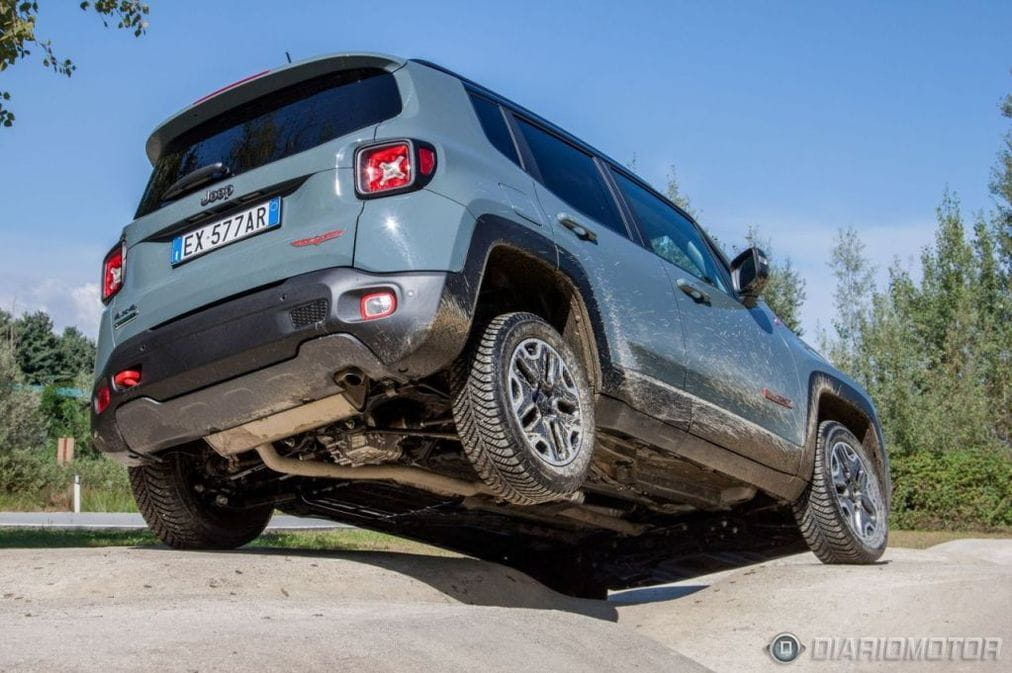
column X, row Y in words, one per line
column 933, row 353
column 854, row 274
column 77, row 355
column 674, row 193
column 1001, row 177
column 45, row 358
column 38, row 349
column 6, row 326
column 18, row 36
column 22, row 426
column 67, row 417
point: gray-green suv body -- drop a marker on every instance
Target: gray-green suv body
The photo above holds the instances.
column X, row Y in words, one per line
column 368, row 289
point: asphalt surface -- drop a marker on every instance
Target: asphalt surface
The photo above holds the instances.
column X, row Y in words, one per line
column 126, row 520
column 152, row 609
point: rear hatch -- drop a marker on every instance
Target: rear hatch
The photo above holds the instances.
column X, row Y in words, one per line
column 268, row 194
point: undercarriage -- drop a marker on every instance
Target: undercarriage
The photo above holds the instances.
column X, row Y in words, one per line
column 642, row 517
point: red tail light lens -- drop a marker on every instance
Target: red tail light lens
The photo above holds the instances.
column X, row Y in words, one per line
column 102, row 398
column 113, row 267
column 393, row 167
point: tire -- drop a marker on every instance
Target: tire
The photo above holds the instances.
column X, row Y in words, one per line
column 843, row 513
column 182, row 518
column 548, row 459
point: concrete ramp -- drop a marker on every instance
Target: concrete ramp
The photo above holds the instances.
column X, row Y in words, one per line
column 725, row 621
column 153, row 609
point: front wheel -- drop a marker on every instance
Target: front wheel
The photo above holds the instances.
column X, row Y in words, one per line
column 843, row 514
column 181, row 512
column 524, row 410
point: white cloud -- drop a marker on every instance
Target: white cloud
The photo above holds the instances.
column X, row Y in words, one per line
column 56, row 276
column 67, row 304
column 87, row 306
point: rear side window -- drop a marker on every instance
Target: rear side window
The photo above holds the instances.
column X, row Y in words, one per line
column 278, row 125
column 572, row 175
column 669, row 233
column 494, row 125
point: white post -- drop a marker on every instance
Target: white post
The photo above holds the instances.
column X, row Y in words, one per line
column 77, row 494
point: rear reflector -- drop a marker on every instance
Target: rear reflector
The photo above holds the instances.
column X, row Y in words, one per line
column 426, row 160
column 102, row 398
column 377, row 305
column 127, row 378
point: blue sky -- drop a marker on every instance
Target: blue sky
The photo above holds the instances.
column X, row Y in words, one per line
column 798, row 118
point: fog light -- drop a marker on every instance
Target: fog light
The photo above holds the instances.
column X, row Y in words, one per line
column 377, row 305
column 127, row 378
column 102, row 398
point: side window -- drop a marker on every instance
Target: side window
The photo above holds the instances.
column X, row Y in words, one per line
column 572, row 175
column 494, row 125
column 669, row 233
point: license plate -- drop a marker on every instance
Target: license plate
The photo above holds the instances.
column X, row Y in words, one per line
column 212, row 236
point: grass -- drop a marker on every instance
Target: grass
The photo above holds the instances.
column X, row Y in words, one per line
column 92, row 500
column 922, row 539
column 329, row 540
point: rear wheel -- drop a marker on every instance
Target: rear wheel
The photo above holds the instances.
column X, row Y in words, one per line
column 843, row 513
column 181, row 511
column 524, row 410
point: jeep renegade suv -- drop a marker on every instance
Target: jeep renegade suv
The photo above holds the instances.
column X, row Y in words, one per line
column 368, row 289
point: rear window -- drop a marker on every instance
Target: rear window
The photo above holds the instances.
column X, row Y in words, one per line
column 278, row 125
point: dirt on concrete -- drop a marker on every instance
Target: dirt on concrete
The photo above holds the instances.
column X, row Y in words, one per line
column 153, row 609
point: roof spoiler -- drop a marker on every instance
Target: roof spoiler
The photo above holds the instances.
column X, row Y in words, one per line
column 254, row 86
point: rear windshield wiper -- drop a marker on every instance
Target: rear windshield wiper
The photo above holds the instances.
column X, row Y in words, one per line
column 196, row 178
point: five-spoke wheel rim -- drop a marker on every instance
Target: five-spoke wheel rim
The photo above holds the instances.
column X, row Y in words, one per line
column 545, row 402
column 856, row 489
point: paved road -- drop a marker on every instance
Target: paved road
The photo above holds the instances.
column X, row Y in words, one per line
column 157, row 610
column 103, row 520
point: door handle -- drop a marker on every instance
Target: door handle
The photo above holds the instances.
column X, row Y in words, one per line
column 697, row 295
column 582, row 232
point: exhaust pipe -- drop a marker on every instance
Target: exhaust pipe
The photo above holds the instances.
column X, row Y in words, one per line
column 436, row 483
column 402, row 474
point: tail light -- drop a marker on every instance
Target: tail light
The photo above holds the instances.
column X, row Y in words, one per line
column 113, row 267
column 102, row 398
column 393, row 167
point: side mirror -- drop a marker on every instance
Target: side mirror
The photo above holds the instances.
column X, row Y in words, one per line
column 750, row 272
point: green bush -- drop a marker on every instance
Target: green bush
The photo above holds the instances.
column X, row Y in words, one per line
column 30, row 472
column 962, row 489
column 67, row 417
column 102, row 474
column 31, row 480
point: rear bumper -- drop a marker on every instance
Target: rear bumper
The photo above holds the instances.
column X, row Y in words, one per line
column 273, row 349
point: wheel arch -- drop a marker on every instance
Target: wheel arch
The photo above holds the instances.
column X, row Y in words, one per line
column 513, row 267
column 833, row 399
